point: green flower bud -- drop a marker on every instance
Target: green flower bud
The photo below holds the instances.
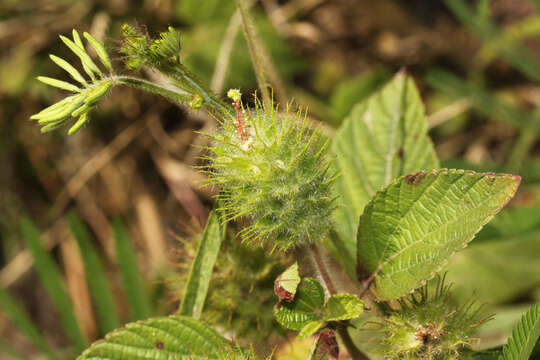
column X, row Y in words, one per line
column 273, row 171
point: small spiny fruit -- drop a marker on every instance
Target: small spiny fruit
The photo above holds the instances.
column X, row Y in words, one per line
column 429, row 326
column 273, row 171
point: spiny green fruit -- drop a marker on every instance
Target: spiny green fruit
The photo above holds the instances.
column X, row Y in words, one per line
column 429, row 326
column 273, row 171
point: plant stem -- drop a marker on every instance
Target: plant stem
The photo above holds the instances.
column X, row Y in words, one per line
column 180, row 97
column 355, row 353
column 324, row 272
column 256, row 58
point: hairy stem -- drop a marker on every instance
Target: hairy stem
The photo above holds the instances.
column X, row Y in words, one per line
column 175, row 96
column 256, row 58
column 355, row 353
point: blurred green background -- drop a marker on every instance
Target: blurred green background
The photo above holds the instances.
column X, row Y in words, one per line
column 123, row 187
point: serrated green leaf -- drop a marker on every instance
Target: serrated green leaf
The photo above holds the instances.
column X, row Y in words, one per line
column 89, row 66
column 411, row 227
column 343, row 307
column 524, row 336
column 127, row 259
column 310, row 329
column 383, row 138
column 305, row 308
column 100, row 50
column 201, row 268
column 58, row 83
column 162, row 338
column 287, row 282
column 51, row 278
column 100, row 289
column 69, row 69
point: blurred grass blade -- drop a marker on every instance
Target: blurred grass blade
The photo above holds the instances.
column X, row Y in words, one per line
column 7, row 350
column 96, row 277
column 201, row 268
column 512, row 51
column 127, row 259
column 52, row 280
column 23, row 322
column 480, row 99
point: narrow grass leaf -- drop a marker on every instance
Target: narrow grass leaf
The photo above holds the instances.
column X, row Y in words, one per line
column 201, row 268
column 95, row 275
column 133, row 282
column 51, row 278
column 23, row 322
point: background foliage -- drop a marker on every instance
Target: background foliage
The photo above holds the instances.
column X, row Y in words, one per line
column 123, row 191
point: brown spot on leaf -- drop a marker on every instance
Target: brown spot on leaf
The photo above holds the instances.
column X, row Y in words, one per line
column 401, row 153
column 159, row 345
column 415, row 179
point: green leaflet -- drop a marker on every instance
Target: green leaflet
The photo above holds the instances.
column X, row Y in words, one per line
column 524, row 336
column 411, row 227
column 201, row 268
column 383, row 137
column 308, row 312
column 163, row 338
column 306, row 307
column 343, row 307
column 287, row 282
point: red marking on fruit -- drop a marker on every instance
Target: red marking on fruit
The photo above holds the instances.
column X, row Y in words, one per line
column 239, row 124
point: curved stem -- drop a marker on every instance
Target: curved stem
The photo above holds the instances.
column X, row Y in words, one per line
column 355, row 353
column 176, row 96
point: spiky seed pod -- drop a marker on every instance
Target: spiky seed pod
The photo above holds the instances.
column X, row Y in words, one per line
column 429, row 326
column 273, row 171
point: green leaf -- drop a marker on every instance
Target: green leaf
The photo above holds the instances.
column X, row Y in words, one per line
column 343, row 307
column 78, row 124
column 524, row 336
column 287, row 282
column 172, row 337
column 318, row 350
column 95, row 275
column 58, row 83
column 100, row 51
column 306, row 307
column 201, row 268
column 411, row 227
column 23, row 322
column 70, row 69
column 127, row 259
column 52, row 280
column 89, row 66
column 383, row 138
column 310, row 329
